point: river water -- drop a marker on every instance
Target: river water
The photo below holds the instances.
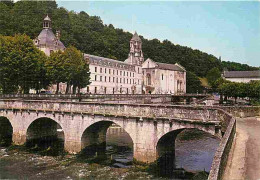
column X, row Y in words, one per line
column 193, row 155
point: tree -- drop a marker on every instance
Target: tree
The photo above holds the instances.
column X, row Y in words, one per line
column 76, row 69
column 213, row 75
column 21, row 64
column 68, row 67
column 193, row 83
column 55, row 68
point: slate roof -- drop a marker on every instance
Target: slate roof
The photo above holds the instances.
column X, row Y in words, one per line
column 109, row 62
column 135, row 37
column 46, row 37
column 172, row 67
column 241, row 74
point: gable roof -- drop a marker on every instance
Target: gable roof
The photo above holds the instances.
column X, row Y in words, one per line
column 241, row 74
column 171, row 67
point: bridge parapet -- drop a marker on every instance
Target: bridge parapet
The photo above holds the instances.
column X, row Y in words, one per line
column 203, row 114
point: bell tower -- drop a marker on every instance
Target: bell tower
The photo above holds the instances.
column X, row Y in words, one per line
column 136, row 54
column 47, row 22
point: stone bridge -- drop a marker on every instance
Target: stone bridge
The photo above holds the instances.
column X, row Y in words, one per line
column 86, row 123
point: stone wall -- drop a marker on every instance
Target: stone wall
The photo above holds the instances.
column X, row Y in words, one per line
column 221, row 156
column 242, row 111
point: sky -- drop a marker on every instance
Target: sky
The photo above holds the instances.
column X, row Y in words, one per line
column 230, row 29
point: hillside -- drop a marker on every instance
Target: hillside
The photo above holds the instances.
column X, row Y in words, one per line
column 90, row 35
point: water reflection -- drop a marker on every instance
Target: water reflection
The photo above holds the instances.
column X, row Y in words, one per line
column 194, row 154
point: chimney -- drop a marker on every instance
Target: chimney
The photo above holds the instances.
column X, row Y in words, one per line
column 58, row 35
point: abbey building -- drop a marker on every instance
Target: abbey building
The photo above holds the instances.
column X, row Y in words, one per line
column 132, row 76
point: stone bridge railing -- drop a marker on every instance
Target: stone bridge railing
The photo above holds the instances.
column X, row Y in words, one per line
column 126, row 98
column 221, row 156
column 202, row 114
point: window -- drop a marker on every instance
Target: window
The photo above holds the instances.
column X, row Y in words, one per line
column 87, row 88
column 124, row 81
column 95, row 77
column 130, row 74
column 113, row 71
column 105, row 79
column 105, row 70
column 109, row 71
column 127, row 74
column 148, row 76
column 95, row 69
column 113, row 90
column 100, row 78
column 162, row 76
column 124, row 73
column 116, row 72
column 133, row 74
column 130, row 81
column 100, row 70
column 95, row 91
column 120, row 73
column 108, row 79
column 116, row 80
column 127, row 81
column 113, row 79
column 105, row 90
column 120, row 80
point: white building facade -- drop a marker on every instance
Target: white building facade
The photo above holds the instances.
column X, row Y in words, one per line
column 241, row 76
column 132, row 76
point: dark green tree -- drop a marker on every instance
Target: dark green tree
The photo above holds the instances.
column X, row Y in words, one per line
column 213, row 75
column 76, row 69
column 193, row 83
column 21, row 64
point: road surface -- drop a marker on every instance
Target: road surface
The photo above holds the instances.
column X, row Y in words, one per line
column 244, row 160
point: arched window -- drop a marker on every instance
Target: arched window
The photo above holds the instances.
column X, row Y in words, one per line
column 148, row 76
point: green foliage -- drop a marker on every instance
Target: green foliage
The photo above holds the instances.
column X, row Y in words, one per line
column 193, row 83
column 21, row 65
column 234, row 89
column 213, row 75
column 90, row 35
column 234, row 66
column 68, row 67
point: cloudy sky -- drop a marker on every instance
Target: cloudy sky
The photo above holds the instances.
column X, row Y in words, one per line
column 230, row 29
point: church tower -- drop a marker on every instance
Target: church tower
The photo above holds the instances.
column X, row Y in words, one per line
column 135, row 56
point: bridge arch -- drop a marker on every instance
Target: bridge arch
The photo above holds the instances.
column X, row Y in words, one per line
column 45, row 132
column 6, row 131
column 94, row 137
column 166, row 148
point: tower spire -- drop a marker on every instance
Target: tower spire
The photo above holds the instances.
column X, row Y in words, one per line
column 136, row 53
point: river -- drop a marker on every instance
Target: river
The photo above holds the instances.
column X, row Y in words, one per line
column 193, row 155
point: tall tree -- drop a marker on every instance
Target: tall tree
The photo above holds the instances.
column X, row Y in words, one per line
column 21, row 64
column 193, row 83
column 213, row 75
column 68, row 67
column 76, row 69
